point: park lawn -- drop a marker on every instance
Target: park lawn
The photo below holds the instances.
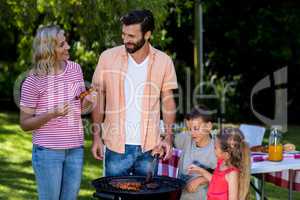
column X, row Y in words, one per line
column 17, row 178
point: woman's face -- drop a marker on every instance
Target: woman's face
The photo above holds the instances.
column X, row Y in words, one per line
column 199, row 129
column 62, row 49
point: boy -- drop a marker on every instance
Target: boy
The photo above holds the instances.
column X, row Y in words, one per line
column 198, row 148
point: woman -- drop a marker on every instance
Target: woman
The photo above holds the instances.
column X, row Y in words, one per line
column 50, row 107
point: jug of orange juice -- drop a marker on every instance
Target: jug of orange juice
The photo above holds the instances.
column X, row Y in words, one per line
column 275, row 145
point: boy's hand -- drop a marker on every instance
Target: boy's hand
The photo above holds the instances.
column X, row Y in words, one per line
column 192, row 185
column 193, row 169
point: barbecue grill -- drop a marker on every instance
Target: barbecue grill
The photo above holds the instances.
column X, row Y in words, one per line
column 167, row 188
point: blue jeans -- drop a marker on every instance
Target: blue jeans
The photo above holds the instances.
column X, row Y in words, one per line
column 57, row 172
column 132, row 162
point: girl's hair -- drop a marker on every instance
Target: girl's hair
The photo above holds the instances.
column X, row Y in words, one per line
column 44, row 44
column 233, row 142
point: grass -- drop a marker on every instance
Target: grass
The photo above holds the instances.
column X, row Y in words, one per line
column 17, row 178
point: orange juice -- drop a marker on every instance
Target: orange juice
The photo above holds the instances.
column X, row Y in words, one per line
column 275, row 152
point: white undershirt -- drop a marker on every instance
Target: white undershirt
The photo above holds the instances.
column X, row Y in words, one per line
column 134, row 90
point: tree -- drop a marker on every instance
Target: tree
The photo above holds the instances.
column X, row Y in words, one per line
column 91, row 26
column 244, row 41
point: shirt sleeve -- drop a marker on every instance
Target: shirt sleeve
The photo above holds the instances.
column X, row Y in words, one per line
column 180, row 140
column 170, row 79
column 98, row 77
column 29, row 93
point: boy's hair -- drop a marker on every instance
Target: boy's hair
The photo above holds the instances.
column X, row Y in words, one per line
column 200, row 111
column 233, row 142
column 143, row 17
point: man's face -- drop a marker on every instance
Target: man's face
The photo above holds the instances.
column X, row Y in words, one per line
column 133, row 38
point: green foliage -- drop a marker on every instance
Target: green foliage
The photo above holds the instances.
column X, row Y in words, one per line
column 245, row 39
column 91, row 27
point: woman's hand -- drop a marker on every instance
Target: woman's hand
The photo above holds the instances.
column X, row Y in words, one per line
column 29, row 120
column 89, row 101
column 60, row 110
column 91, row 97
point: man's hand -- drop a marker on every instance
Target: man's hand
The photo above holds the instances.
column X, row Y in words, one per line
column 98, row 149
column 164, row 149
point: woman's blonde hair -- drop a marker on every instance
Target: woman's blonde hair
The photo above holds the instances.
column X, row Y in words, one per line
column 44, row 44
column 233, row 142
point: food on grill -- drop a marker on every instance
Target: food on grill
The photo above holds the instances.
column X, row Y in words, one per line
column 259, row 148
column 133, row 186
column 168, row 188
column 152, row 186
column 289, row 147
column 85, row 93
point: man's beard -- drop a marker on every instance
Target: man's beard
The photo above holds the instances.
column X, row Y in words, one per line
column 136, row 46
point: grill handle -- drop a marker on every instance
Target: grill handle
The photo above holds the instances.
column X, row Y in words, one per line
column 104, row 195
column 155, row 165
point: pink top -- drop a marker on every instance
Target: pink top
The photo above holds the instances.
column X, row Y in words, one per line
column 43, row 93
column 218, row 186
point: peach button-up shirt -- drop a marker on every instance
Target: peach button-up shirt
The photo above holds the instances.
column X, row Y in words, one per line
column 109, row 77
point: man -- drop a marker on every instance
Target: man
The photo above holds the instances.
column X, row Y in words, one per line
column 132, row 81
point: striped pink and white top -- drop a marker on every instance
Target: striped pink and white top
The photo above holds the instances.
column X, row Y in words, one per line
column 43, row 93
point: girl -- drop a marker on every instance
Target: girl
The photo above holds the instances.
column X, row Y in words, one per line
column 231, row 178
